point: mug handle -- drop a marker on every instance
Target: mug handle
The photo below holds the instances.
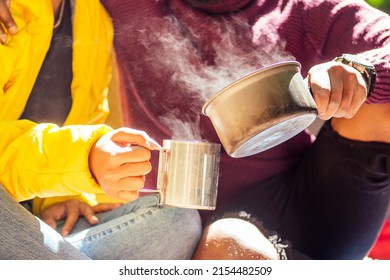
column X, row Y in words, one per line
column 145, row 192
column 162, row 174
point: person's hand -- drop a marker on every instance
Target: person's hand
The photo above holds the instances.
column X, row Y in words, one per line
column 71, row 210
column 119, row 161
column 7, row 23
column 338, row 89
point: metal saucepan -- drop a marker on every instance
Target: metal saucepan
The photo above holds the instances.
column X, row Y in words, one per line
column 262, row 109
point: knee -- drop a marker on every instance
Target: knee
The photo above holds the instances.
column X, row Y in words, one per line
column 234, row 239
column 190, row 220
column 186, row 228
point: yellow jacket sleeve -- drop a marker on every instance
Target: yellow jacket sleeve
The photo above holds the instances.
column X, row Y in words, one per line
column 45, row 160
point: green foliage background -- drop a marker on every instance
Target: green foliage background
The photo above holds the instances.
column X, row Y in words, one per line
column 383, row 5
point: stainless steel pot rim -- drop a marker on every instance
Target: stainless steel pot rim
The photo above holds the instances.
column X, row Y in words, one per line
column 248, row 76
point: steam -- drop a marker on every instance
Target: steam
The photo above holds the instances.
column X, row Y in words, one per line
column 182, row 130
column 198, row 74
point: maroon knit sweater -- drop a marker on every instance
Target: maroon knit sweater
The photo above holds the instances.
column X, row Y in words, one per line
column 172, row 57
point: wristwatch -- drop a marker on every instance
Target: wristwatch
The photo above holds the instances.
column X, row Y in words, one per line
column 363, row 66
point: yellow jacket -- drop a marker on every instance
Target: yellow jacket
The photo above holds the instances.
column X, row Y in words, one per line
column 45, row 160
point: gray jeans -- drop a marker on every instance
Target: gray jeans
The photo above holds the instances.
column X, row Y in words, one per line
column 137, row 230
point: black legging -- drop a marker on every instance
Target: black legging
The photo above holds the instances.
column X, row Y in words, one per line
column 332, row 205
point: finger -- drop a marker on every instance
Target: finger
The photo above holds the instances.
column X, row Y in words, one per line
column 132, row 136
column 359, row 95
column 336, row 94
column 354, row 90
column 127, row 195
column 114, row 163
column 358, row 99
column 6, row 18
column 133, row 183
column 354, row 107
column 134, row 154
column 327, row 86
column 348, row 89
column 130, row 170
column 125, row 184
column 89, row 214
column 50, row 220
column 3, row 35
column 70, row 221
column 134, row 169
column 104, row 207
column 325, row 105
column 319, row 83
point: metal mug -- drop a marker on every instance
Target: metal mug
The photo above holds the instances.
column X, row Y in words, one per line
column 188, row 174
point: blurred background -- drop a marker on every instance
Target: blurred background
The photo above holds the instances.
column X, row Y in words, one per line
column 383, row 5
